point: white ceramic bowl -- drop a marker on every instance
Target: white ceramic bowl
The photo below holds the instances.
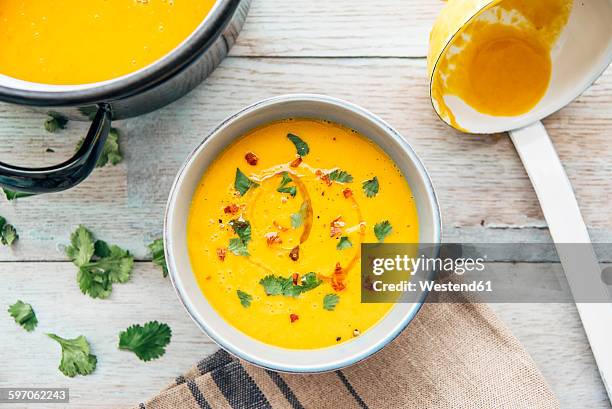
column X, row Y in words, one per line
column 175, row 231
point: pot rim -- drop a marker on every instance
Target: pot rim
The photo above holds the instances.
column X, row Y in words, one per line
column 138, row 81
column 222, row 341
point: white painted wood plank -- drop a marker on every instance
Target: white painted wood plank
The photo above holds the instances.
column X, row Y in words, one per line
column 551, row 333
column 31, row 359
column 396, row 28
column 483, row 189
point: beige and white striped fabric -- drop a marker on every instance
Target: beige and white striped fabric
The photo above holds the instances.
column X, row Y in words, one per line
column 453, row 355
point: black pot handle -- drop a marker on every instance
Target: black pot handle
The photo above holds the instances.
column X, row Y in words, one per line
column 67, row 174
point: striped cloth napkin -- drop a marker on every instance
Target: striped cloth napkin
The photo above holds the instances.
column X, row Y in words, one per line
column 453, row 355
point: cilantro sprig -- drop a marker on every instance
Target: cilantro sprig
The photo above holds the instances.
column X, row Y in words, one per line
column 277, row 285
column 300, row 146
column 238, row 245
column 8, row 233
column 24, row 315
column 297, row 219
column 55, row 122
column 111, row 151
column 245, row 298
column 100, row 265
column 344, row 243
column 370, row 187
column 157, row 251
column 283, row 188
column 12, row 195
column 340, row 176
column 330, row 301
column 382, row 230
column 76, row 356
column 147, row 341
column 242, row 183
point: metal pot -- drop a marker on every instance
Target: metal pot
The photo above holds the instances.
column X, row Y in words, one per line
column 134, row 94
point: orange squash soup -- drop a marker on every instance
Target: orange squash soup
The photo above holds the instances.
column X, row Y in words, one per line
column 77, row 42
column 275, row 227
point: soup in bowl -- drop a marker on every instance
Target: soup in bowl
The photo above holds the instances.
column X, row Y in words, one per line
column 264, row 226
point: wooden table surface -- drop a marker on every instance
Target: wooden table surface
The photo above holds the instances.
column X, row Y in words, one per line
column 370, row 53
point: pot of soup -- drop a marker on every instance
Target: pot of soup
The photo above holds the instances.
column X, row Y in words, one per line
column 103, row 60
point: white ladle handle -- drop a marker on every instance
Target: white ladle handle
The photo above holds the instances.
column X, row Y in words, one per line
column 566, row 225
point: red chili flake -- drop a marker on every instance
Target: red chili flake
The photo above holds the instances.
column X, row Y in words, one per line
column 295, row 253
column 296, row 162
column 336, row 226
column 221, row 252
column 324, row 177
column 347, row 193
column 295, row 277
column 273, row 238
column 337, row 280
column 231, row 209
column 251, row 158
column 293, row 318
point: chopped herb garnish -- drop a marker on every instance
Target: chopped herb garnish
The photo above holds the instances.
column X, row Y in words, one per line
column 157, row 251
column 56, row 121
column 330, row 301
column 100, row 265
column 242, row 183
column 24, row 315
column 382, row 230
column 283, row 188
column 237, row 247
column 243, row 229
column 277, row 285
column 111, row 153
column 76, row 356
column 340, row 176
column 245, row 298
column 297, row 219
column 148, row 341
column 8, row 234
column 344, row 243
column 370, row 187
column 12, row 195
column 301, row 146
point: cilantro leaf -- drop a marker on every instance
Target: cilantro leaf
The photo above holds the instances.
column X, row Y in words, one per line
column 344, row 243
column 81, row 248
column 243, row 229
column 340, row 176
column 245, row 298
column 283, row 188
column 370, row 187
column 111, row 152
column 100, row 265
column 242, row 183
column 277, row 285
column 382, row 230
column 76, row 356
column 55, row 121
column 12, row 195
column 24, row 315
column 147, row 342
column 157, row 250
column 301, row 146
column 237, row 247
column 297, row 219
column 330, row 301
column 8, row 234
